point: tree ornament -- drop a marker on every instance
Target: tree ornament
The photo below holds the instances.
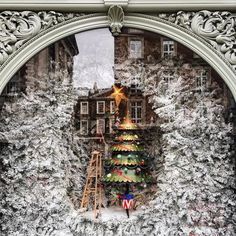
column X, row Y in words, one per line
column 125, row 170
column 138, row 171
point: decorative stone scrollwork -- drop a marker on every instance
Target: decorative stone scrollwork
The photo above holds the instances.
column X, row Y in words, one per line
column 116, row 19
column 217, row 28
column 18, row 27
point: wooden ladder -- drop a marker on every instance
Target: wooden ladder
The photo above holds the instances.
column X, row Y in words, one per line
column 93, row 189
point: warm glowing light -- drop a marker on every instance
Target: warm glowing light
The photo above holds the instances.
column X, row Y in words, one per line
column 127, row 123
column 118, row 95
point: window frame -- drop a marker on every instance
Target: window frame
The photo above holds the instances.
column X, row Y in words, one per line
column 136, row 118
column 132, row 39
column 200, row 77
column 168, row 76
column 104, row 107
column 163, row 40
column 81, row 110
column 111, row 123
column 112, row 107
column 86, row 133
column 97, row 125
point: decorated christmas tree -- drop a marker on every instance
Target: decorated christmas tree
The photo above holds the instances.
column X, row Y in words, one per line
column 127, row 156
column 127, row 168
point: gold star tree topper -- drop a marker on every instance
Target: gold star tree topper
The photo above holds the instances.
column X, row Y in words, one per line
column 118, row 95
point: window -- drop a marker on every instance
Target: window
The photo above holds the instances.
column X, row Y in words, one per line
column 112, row 107
column 134, row 88
column 100, row 126
column 112, row 123
column 168, row 48
column 202, row 78
column 168, row 77
column 101, row 107
column 83, row 107
column 13, row 87
column 83, row 127
column 135, row 84
column 136, row 111
column 136, row 48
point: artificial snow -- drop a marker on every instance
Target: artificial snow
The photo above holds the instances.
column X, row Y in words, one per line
column 43, row 165
column 112, row 214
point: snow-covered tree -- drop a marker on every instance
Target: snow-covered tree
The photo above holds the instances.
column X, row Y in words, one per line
column 196, row 188
column 42, row 165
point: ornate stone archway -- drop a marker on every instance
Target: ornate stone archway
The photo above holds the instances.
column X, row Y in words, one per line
column 22, row 35
column 209, row 34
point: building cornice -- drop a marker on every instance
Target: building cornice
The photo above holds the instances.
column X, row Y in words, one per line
column 128, row 5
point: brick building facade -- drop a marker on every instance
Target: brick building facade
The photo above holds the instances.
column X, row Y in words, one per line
column 57, row 55
column 95, row 112
column 136, row 50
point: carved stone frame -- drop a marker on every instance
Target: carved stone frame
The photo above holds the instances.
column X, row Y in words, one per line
column 212, row 35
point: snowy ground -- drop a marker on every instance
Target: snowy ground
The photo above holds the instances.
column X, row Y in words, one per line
column 112, row 213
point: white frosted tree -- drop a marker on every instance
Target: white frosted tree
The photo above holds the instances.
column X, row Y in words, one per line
column 42, row 166
column 196, row 187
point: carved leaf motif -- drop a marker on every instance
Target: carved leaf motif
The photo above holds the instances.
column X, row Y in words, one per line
column 3, row 55
column 51, row 18
column 16, row 28
column 217, row 28
column 208, row 25
column 231, row 56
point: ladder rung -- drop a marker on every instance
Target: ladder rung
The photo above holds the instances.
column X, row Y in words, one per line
column 89, row 190
column 92, row 187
